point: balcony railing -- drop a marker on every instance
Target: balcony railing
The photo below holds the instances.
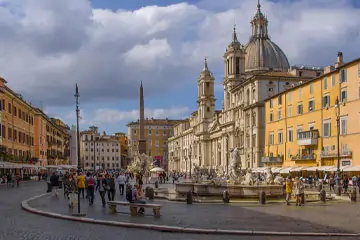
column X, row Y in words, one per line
column 278, row 159
column 332, row 154
column 306, row 138
column 303, row 157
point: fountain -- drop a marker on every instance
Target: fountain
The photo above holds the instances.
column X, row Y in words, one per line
column 239, row 183
column 142, row 164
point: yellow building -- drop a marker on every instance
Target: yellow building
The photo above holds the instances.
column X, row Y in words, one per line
column 52, row 140
column 27, row 134
column 157, row 132
column 124, row 147
column 17, row 127
column 301, row 123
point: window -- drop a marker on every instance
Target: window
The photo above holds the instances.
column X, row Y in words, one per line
column 343, row 125
column 271, row 117
column 326, row 101
column 300, row 93
column 299, row 109
column 289, row 97
column 279, row 114
column 289, row 111
column 290, row 135
column 359, row 69
column 359, row 92
column 280, row 100
column 280, row 137
column 343, row 76
column 325, row 83
column 271, row 103
column 311, row 86
column 237, row 67
column 326, row 129
column 298, row 130
column 271, row 138
column 333, row 80
column 311, row 105
column 343, row 95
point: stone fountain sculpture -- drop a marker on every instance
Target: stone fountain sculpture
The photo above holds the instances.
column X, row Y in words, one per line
column 196, row 175
column 269, row 177
column 142, row 164
column 235, row 175
column 278, row 180
column 248, row 179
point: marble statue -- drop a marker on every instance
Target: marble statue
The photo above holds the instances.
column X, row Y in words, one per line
column 278, row 180
column 196, row 175
column 269, row 177
column 142, row 164
column 235, row 167
column 248, row 179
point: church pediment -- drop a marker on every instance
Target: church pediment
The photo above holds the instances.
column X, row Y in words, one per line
column 214, row 126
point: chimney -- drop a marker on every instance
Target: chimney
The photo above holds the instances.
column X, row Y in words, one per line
column 340, row 60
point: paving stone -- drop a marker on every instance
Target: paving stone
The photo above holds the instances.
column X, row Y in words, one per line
column 17, row 224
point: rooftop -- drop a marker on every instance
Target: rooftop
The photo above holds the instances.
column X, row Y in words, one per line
column 154, row 121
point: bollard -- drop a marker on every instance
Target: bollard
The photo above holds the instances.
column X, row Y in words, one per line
column 156, row 184
column 225, row 196
column 322, row 195
column 189, row 197
column 262, row 197
column 353, row 195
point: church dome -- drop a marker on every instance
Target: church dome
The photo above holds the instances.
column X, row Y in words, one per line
column 261, row 52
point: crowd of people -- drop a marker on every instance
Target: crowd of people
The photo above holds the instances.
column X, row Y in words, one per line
column 105, row 183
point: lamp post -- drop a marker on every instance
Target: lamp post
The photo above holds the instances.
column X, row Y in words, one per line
column 338, row 174
column 190, row 151
column 77, row 95
column 94, row 154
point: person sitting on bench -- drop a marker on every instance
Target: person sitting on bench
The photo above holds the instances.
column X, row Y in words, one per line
column 136, row 198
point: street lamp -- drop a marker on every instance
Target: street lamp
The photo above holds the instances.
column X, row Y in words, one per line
column 338, row 174
column 94, row 154
column 190, row 151
column 77, row 95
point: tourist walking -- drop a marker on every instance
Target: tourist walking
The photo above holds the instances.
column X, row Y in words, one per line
column 90, row 183
column 80, row 182
column 332, row 183
column 299, row 191
column 121, row 181
column 54, row 180
column 288, row 189
column 70, row 190
column 111, row 188
column 101, row 186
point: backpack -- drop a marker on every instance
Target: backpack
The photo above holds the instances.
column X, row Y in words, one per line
column 129, row 194
column 90, row 181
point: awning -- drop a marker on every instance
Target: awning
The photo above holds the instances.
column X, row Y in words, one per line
column 275, row 169
column 352, row 169
column 312, row 169
column 296, row 169
column 334, row 168
column 285, row 170
column 325, row 168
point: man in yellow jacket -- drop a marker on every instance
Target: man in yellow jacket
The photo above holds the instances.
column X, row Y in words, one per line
column 80, row 182
column 288, row 189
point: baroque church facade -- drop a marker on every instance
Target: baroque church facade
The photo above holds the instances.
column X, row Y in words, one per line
column 252, row 73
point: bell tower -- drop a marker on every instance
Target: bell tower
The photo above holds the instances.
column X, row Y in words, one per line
column 234, row 63
column 206, row 95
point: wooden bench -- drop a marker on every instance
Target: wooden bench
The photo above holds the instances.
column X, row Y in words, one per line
column 134, row 207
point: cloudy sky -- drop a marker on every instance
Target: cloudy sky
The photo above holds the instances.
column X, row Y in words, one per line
column 109, row 46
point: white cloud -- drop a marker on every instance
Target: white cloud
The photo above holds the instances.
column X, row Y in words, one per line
column 111, row 116
column 49, row 45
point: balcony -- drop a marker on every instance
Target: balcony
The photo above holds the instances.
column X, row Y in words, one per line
column 308, row 138
column 271, row 159
column 303, row 157
column 333, row 154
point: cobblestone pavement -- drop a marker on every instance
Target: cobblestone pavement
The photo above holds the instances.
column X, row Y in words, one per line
column 16, row 224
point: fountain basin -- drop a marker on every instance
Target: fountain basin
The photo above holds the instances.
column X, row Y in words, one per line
column 235, row 191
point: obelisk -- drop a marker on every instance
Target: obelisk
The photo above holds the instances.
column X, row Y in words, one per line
column 142, row 140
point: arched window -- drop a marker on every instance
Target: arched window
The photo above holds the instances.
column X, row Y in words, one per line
column 248, row 96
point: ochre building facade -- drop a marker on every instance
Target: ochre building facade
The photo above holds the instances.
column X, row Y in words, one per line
column 301, row 123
